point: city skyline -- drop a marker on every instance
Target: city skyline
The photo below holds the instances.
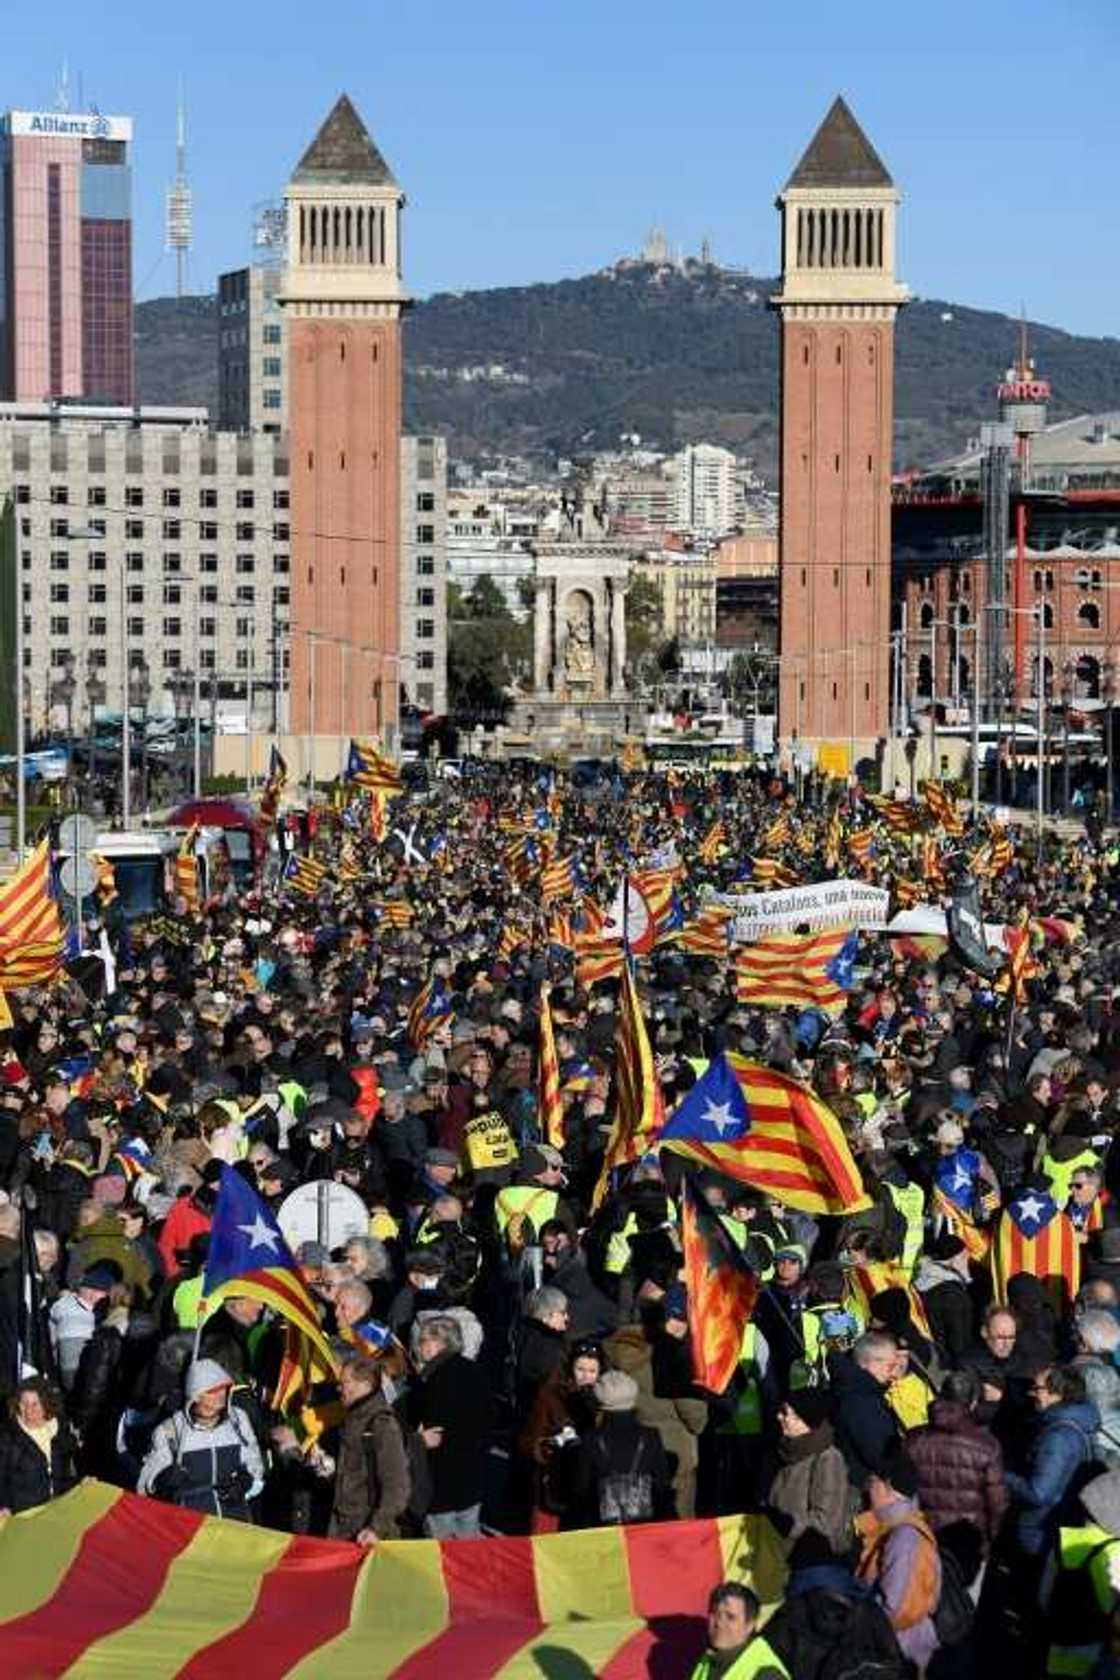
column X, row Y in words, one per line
column 529, row 154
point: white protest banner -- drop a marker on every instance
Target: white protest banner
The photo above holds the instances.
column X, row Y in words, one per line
column 824, row 904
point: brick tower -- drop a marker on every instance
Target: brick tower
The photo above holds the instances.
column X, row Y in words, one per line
column 343, row 297
column 838, row 301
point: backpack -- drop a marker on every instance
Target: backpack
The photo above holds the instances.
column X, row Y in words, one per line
column 625, row 1496
column 955, row 1612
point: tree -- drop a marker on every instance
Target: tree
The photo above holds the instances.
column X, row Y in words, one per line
column 488, row 650
column 643, row 617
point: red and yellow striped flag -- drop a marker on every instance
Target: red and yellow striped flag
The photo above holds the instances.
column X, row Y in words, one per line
column 713, row 842
column 865, row 1282
column 706, row 935
column 769, row 874
column 639, row 1107
column 834, row 838
column 1035, row 1236
column 956, row 1219
column 942, row 807
column 550, row 1106
column 721, row 1290
column 932, row 869
column 812, row 971
column 102, row 1580
column 186, row 873
column 32, row 938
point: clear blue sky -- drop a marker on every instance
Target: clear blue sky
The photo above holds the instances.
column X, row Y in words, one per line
column 539, row 139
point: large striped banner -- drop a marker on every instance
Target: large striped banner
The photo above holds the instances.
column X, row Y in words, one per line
column 102, row 1585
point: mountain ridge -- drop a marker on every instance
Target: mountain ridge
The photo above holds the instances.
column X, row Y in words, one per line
column 675, row 356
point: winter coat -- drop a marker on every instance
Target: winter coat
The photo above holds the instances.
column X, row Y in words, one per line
column 863, row 1423
column 372, row 1485
column 27, row 1477
column 1063, row 1446
column 948, row 1307
column 679, row 1421
column 104, row 1239
column 540, row 1354
column 825, row 1609
column 186, row 1220
column 452, row 1393
column 559, row 1405
column 811, row 1490
column 960, row 1470
column 612, row 1450
column 900, row 1559
column 216, row 1470
column 11, row 1288
column 72, row 1324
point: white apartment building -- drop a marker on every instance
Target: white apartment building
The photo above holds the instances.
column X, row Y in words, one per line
column 142, row 531
column 424, row 572
column 705, row 490
column 492, row 535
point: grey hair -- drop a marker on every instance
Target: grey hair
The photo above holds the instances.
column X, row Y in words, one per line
column 442, row 1327
column 376, row 1256
column 543, row 1302
column 1098, row 1331
column 355, row 1290
column 872, row 1345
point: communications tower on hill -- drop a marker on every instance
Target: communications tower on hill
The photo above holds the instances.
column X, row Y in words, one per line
column 179, row 210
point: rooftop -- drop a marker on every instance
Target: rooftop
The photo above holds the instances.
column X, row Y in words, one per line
column 840, row 155
column 343, row 151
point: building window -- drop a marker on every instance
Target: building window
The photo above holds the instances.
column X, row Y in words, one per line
column 135, row 594
column 271, row 333
column 207, row 498
column 95, row 495
column 97, row 594
column 172, row 563
column 60, row 528
column 97, row 561
column 172, row 659
column 425, row 629
column 172, row 627
column 97, row 656
column 270, row 367
column 134, row 560
column 425, row 597
column 172, row 595
column 208, row 562
column 245, row 594
column 60, row 560
column 207, row 659
column 134, row 529
column 281, row 595
column 244, row 627
column 245, row 530
column 23, row 494
column 60, row 626
column 245, row 565
column 1089, row 615
column 281, row 563
column 241, row 659
column 172, row 530
column 281, row 533
column 425, row 660
column 425, row 565
column 425, row 502
column 60, row 495
column 96, row 626
column 171, row 499
column 60, row 592
column 133, row 496
column 245, row 499
column 208, row 530
column 280, row 500
column 425, row 533
column 207, row 627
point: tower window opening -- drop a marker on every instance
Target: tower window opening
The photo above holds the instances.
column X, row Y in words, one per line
column 804, row 576
column 839, row 355
column 867, row 576
column 834, row 691
column 835, row 577
column 836, row 463
column 847, row 227
column 857, row 248
column 867, row 691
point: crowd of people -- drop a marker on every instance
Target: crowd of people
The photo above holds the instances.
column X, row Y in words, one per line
column 938, row 1447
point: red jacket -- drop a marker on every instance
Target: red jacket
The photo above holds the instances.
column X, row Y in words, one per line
column 183, row 1222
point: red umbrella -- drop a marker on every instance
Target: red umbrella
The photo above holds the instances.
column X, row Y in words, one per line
column 214, row 813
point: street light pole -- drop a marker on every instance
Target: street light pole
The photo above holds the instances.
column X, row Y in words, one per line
column 976, row 657
column 1041, row 623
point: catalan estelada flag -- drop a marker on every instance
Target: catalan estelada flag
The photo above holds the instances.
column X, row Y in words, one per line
column 721, row 1290
column 639, row 1109
column 560, row 878
column 550, row 1106
column 32, row 937
column 863, row 1283
column 713, row 842
column 771, row 875
column 378, row 825
column 753, row 1123
column 1021, row 965
column 932, row 870
column 369, row 768
column 394, row 912
column 1035, row 1236
column 104, row 1582
column 248, row 1255
column 899, row 814
column 430, row 1007
column 304, row 875
column 810, row 971
column 960, row 1222
column 522, row 858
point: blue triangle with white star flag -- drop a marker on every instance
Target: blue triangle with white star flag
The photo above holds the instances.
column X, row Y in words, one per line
column 714, row 1111
column 244, row 1236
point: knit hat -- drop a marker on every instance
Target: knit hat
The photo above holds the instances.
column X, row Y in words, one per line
column 102, row 1275
column 616, row 1392
column 204, row 1374
column 812, row 1405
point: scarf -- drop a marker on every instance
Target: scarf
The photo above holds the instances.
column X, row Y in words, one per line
column 792, row 1449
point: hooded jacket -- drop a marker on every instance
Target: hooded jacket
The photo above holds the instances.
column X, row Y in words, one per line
column 1063, row 1446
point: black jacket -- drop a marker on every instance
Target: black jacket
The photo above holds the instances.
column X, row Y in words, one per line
column 591, row 1313
column 863, row 1424
column 452, row 1392
column 26, row 1479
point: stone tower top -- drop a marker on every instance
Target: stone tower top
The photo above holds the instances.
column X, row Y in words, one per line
column 344, row 209
column 838, row 226
column 840, row 155
column 343, row 151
